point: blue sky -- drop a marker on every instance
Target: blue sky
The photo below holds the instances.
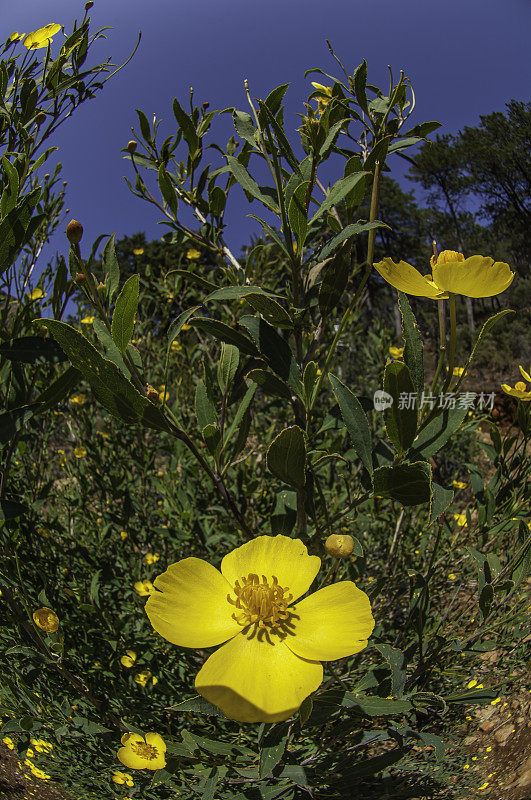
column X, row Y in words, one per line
column 464, row 57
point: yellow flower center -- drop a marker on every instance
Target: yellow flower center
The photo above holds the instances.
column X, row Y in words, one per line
column 520, row 386
column 449, row 257
column 145, row 750
column 260, row 603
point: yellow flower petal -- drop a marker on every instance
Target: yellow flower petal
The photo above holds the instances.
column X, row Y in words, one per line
column 191, row 607
column 253, row 679
column 525, row 375
column 406, row 278
column 477, row 276
column 285, row 558
column 332, row 623
column 156, row 740
column 518, row 393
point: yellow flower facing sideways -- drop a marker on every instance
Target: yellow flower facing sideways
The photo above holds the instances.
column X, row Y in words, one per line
column 396, row 352
column 451, row 273
column 142, row 752
column 521, row 391
column 273, row 642
column 41, row 38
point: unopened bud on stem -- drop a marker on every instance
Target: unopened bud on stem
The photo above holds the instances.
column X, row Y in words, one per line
column 80, row 279
column 74, row 231
column 131, row 146
column 89, row 5
column 339, row 546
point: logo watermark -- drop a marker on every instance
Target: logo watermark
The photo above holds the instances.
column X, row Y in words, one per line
column 484, row 401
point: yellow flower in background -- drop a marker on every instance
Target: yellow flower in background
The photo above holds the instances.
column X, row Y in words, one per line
column 396, row 352
column 36, row 294
column 273, row 642
column 87, row 320
column 176, row 346
column 123, row 535
column 458, row 371
column 42, row 37
column 142, row 752
column 122, row 778
column 8, row 742
column 163, row 393
column 39, row 773
column 186, row 327
column 143, row 677
column 459, row 485
column 520, row 391
column 80, row 452
column 144, row 588
column 16, row 35
column 151, row 558
column 129, row 659
column 138, row 251
column 46, row 619
column 452, row 273
column 192, row 254
column 461, row 520
column 78, row 399
column 452, row 576
column 41, row 746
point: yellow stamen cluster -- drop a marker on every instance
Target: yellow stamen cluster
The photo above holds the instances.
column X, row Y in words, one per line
column 447, row 257
column 260, row 603
column 144, row 750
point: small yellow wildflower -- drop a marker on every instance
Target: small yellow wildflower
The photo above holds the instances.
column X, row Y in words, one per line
column 495, row 702
column 396, row 352
column 122, row 777
column 42, row 37
column 192, row 254
column 80, row 452
column 484, row 786
column 87, row 320
column 163, row 393
column 176, row 346
column 489, row 750
column 459, row 484
column 520, row 391
column 144, row 588
column 15, row 36
column 458, row 371
column 324, row 96
column 78, row 399
column 138, row 251
column 151, row 558
column 466, row 766
column 160, row 474
column 123, row 535
column 452, row 576
column 142, row 752
column 36, row 294
column 41, row 745
column 129, row 659
column 471, row 684
column 452, row 273
column 142, row 677
column 46, row 619
column 461, row 520
column 8, row 742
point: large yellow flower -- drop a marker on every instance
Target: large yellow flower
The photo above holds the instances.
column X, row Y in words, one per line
column 142, row 752
column 452, row 273
column 272, row 644
column 46, row 619
column 520, row 391
column 41, row 38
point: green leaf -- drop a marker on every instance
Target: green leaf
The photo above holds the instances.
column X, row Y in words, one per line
column 13, row 420
column 413, row 349
column 167, row 190
column 335, row 276
column 111, row 388
column 397, row 662
column 485, row 329
column 111, row 351
column 204, row 407
column 286, row 457
column 269, row 383
column 275, row 97
column 123, row 318
column 297, row 215
column 272, row 749
column 440, row 500
column 359, row 79
column 249, row 184
column 375, row 706
column 15, row 229
column 198, row 705
column 355, row 420
column 111, row 267
column 224, row 333
column 276, row 350
column 269, row 308
column 347, row 233
column 486, row 599
column 227, row 365
column 10, row 193
column 32, row 350
column 176, row 326
column 244, row 126
column 11, row 509
column 338, row 191
column 58, row 389
column 236, row 292
column 400, row 423
column 410, row 484
column 217, row 200
column 437, row 432
column 144, row 125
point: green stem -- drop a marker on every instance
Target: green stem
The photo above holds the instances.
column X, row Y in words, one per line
column 453, row 342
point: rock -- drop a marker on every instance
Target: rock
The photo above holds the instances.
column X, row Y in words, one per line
column 470, row 740
column 503, row 733
column 525, row 779
column 486, row 726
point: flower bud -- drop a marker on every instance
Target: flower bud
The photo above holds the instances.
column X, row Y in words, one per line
column 152, row 394
column 80, row 279
column 131, row 146
column 74, row 231
column 46, row 619
column 89, row 5
column 101, row 288
column 40, row 117
column 339, row 546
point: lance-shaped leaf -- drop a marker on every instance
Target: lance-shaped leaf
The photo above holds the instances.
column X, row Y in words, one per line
column 204, row 407
column 440, row 500
column 355, row 420
column 347, row 233
column 437, row 432
column 286, row 457
column 335, row 276
column 111, row 388
column 111, row 267
column 276, row 350
column 227, row 365
column 16, row 229
column 249, row 184
column 224, row 333
column 410, row 484
column 297, row 216
column 123, row 318
column 413, row 349
column 32, row 350
column 401, row 415
column 269, row 383
column 338, row 191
